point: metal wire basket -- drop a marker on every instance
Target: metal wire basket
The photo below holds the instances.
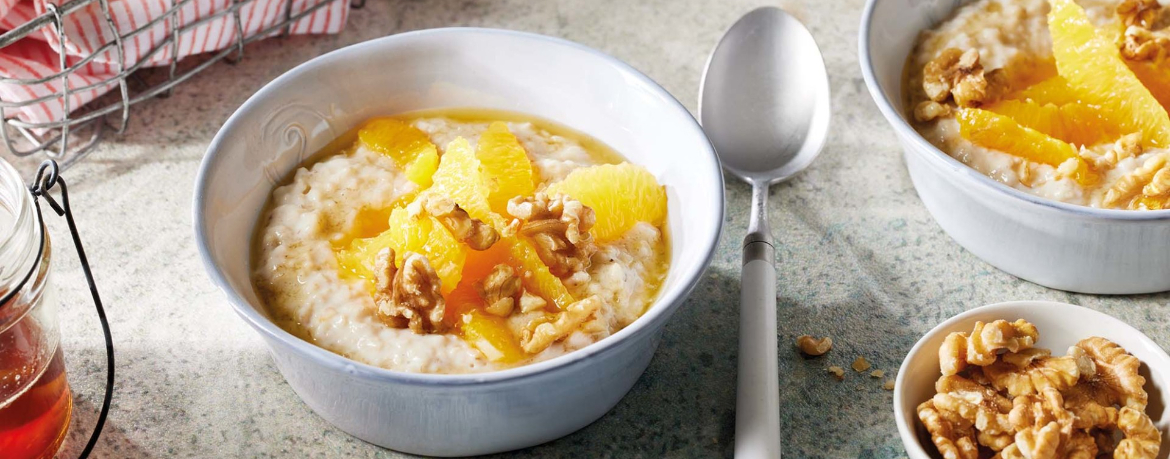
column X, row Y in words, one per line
column 70, row 138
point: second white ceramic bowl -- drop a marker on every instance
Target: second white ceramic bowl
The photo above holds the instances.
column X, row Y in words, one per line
column 1057, row 245
column 303, row 110
column 1061, row 325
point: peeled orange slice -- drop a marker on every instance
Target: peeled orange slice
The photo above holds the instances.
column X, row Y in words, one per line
column 492, row 337
column 1072, row 122
column 422, row 235
column 621, row 195
column 1050, row 91
column 411, row 149
column 461, row 178
column 998, row 132
column 506, row 166
column 1093, row 67
column 540, row 280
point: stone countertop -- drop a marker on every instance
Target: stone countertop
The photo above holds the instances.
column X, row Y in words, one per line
column 859, row 259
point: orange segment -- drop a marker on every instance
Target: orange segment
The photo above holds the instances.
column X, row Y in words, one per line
column 492, row 337
column 1073, row 122
column 621, row 195
column 1093, row 67
column 460, row 177
column 540, row 280
column 411, row 149
column 506, row 166
column 1051, row 91
column 998, row 132
column 407, row 234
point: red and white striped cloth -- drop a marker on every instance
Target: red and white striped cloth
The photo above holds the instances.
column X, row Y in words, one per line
column 86, row 30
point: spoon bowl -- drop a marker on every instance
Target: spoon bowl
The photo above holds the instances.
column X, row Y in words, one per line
column 764, row 97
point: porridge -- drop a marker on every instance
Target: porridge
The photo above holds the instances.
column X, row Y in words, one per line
column 1063, row 99
column 454, row 242
column 1000, row 396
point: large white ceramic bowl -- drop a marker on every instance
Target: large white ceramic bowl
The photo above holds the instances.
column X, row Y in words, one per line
column 1061, row 325
column 298, row 113
column 1057, row 245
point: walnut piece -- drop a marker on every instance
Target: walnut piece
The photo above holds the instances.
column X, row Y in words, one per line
column 1060, row 373
column 837, row 372
column 860, row 364
column 541, row 334
column 473, row 232
column 409, row 296
column 814, row 346
column 500, row 290
column 1117, row 373
column 558, row 227
column 888, row 385
column 877, row 374
column 959, row 75
column 1040, row 442
column 1127, row 146
column 952, row 355
column 1142, row 13
column 1142, row 44
column 929, row 110
column 980, row 405
column 1159, row 186
column 1132, row 183
column 1025, row 357
column 953, row 440
column 987, row 340
column 1142, row 439
column 530, row 302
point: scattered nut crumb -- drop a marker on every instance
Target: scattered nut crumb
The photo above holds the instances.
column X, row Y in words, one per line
column 888, row 385
column 877, row 373
column 837, row 372
column 813, row 346
column 860, row 364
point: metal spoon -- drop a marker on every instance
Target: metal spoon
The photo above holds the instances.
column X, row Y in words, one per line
column 764, row 103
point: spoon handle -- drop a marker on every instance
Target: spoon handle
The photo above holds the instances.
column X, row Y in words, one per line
column 757, row 404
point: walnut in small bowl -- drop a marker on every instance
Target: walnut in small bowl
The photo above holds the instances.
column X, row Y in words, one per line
column 999, row 393
column 978, row 386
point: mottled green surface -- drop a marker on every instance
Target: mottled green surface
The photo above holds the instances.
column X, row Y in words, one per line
column 859, row 259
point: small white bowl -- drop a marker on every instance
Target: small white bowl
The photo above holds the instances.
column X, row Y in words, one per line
column 1051, row 243
column 314, row 103
column 1061, row 325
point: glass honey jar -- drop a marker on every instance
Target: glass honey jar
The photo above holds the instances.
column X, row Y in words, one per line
column 35, row 400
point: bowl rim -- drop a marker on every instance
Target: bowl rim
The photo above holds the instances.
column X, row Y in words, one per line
column 944, row 161
column 907, row 432
column 659, row 311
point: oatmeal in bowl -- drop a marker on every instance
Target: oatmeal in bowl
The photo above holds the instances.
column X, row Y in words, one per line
column 457, row 242
column 1063, row 99
column 1034, row 131
column 342, row 201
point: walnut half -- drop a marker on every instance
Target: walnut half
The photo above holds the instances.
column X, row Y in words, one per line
column 542, row 333
column 410, row 296
column 1138, row 12
column 813, row 346
column 473, row 232
column 558, row 227
column 500, row 290
column 958, row 74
